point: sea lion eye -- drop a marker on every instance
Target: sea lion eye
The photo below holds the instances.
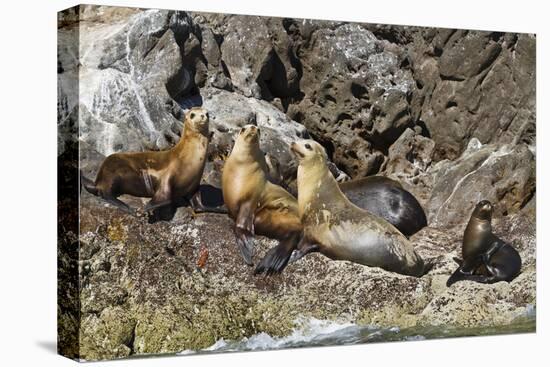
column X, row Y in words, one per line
column 192, row 115
column 243, row 130
column 308, row 146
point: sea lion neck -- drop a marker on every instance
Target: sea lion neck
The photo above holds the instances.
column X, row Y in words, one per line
column 477, row 228
column 314, row 181
column 191, row 139
column 246, row 152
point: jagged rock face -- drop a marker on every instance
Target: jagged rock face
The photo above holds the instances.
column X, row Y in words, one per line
column 142, row 291
column 474, row 84
column 504, row 175
column 355, row 94
column 381, row 99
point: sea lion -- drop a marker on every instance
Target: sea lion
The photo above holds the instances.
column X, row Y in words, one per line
column 387, row 199
column 486, row 258
column 379, row 195
column 339, row 229
column 169, row 177
column 255, row 204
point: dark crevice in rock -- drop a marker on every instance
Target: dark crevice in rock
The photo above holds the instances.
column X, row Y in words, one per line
column 453, row 78
column 451, row 104
column 131, row 341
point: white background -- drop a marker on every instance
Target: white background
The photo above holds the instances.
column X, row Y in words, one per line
column 28, row 182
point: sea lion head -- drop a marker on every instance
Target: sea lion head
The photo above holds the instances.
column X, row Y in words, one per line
column 483, row 210
column 308, row 150
column 249, row 135
column 197, row 119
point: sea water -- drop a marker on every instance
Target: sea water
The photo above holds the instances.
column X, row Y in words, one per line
column 314, row 332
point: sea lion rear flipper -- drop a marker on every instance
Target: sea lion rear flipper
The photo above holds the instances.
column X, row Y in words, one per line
column 277, row 258
column 429, row 264
column 198, row 206
column 303, row 249
column 88, row 184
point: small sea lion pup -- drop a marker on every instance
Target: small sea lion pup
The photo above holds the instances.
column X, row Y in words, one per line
column 485, row 257
column 387, row 199
column 256, row 205
column 341, row 230
column 169, row 177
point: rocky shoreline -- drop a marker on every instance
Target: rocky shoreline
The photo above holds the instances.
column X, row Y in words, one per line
column 448, row 113
column 142, row 291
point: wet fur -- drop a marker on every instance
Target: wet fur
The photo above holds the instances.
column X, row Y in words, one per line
column 486, row 258
column 387, row 199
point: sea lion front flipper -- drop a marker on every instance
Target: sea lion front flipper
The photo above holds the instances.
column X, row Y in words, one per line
column 244, row 232
column 277, row 258
column 152, row 204
column 119, row 204
column 495, row 246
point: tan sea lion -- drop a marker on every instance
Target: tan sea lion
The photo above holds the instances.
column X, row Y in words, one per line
column 167, row 177
column 339, row 229
column 256, row 205
column 485, row 257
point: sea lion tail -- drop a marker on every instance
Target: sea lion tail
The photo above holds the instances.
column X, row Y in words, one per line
column 88, row 184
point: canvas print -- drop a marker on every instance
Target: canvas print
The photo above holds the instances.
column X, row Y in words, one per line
column 237, row 183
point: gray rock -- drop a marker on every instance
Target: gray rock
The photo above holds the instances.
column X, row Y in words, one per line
column 356, row 95
column 474, row 84
column 504, row 175
column 230, row 111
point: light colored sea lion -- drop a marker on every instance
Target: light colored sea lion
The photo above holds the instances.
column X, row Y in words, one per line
column 167, row 177
column 339, row 229
column 255, row 204
column 485, row 257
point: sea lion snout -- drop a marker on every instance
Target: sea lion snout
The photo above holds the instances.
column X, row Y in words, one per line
column 198, row 117
column 250, row 132
column 294, row 149
column 483, row 210
column 306, row 149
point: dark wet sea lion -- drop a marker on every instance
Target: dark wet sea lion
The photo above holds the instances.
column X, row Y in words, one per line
column 486, row 258
column 255, row 204
column 387, row 199
column 341, row 230
column 169, row 177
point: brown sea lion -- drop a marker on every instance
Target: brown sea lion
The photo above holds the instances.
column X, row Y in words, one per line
column 485, row 257
column 168, row 177
column 339, row 229
column 255, row 204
